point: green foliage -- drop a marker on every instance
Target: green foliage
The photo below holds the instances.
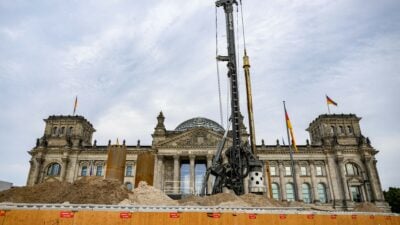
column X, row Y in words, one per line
column 392, row 196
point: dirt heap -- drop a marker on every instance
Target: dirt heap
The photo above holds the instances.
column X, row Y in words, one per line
column 260, row 201
column 148, row 195
column 90, row 190
column 228, row 199
column 367, row 207
column 222, row 199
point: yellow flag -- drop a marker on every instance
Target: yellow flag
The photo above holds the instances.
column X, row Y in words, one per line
column 289, row 125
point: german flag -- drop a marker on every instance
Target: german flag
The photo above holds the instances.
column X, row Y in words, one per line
column 330, row 101
column 289, row 126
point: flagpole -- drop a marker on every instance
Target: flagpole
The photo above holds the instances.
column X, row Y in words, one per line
column 329, row 110
column 327, row 104
column 293, row 169
column 75, row 105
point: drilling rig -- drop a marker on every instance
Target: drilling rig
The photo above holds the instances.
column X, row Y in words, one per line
column 240, row 161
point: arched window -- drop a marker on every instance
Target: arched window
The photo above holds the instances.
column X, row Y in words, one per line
column 289, row 192
column 54, row 132
column 352, row 169
column 322, row 192
column 54, row 170
column 306, row 191
column 332, row 130
column 62, row 130
column 128, row 172
column 129, row 186
column 69, row 131
column 341, row 128
column 275, row 191
column 349, row 129
column 84, row 171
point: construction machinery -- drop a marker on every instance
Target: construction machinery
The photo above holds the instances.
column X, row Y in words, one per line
column 240, row 160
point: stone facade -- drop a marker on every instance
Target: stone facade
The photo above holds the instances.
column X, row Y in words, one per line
column 338, row 166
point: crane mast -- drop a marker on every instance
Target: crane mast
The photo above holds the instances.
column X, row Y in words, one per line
column 232, row 68
column 241, row 162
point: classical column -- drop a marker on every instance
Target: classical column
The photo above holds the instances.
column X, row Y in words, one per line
column 73, row 172
column 176, row 175
column 64, row 168
column 36, row 174
column 160, row 168
column 342, row 173
column 281, row 180
column 192, row 173
column 313, row 182
column 298, row 185
column 209, row 182
column 33, row 172
column 371, row 178
column 333, row 187
column 379, row 192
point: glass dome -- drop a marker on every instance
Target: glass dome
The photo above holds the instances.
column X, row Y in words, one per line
column 199, row 122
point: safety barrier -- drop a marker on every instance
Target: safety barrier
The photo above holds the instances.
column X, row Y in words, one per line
column 46, row 216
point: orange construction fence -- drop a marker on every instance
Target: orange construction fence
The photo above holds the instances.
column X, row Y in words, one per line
column 53, row 217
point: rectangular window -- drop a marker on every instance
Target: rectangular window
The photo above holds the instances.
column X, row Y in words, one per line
column 128, row 171
column 272, row 170
column 99, row 170
column 288, row 171
column 355, row 193
column 303, row 171
column 84, row 171
column 319, row 170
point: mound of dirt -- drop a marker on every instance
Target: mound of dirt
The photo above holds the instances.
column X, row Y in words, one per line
column 367, row 207
column 222, row 199
column 90, row 190
column 260, row 201
column 148, row 195
column 228, row 199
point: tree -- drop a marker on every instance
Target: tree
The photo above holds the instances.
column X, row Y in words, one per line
column 392, row 196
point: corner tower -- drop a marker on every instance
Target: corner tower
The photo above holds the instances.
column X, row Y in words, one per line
column 341, row 128
column 72, row 131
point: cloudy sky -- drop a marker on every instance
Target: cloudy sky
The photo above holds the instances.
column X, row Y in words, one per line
column 128, row 60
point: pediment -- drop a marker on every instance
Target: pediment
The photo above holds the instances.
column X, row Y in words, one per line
column 354, row 180
column 198, row 137
column 51, row 179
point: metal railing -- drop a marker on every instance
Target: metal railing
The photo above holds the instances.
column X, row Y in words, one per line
column 181, row 187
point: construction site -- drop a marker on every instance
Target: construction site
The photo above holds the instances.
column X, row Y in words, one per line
column 102, row 201
column 202, row 173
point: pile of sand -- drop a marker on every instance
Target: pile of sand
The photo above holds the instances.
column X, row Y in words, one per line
column 367, row 207
column 94, row 190
column 260, row 201
column 228, row 199
column 148, row 195
column 222, row 199
column 90, row 190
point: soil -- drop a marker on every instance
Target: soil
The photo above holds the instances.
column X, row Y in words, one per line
column 148, row 195
column 93, row 190
column 89, row 190
column 367, row 207
column 228, row 199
